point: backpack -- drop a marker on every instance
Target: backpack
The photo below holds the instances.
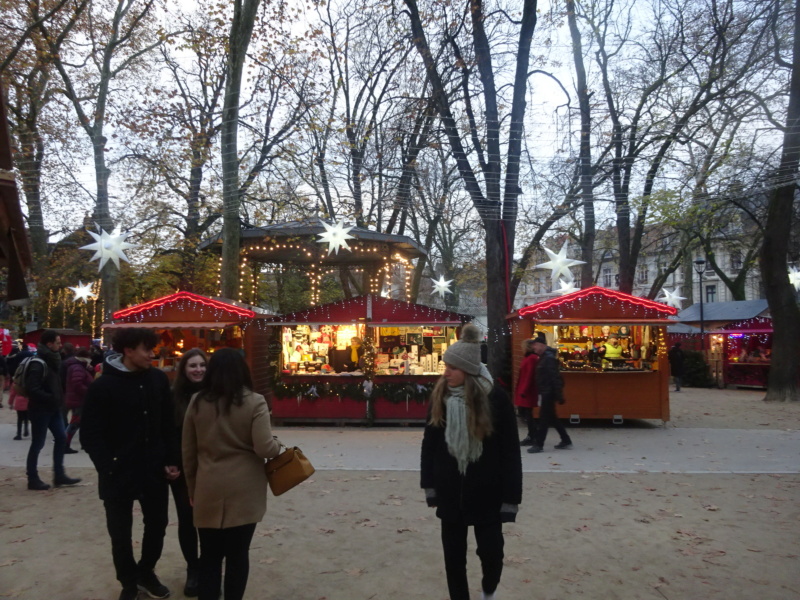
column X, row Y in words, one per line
column 22, row 372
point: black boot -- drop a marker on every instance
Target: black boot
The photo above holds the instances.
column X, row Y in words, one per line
column 38, row 485
column 62, row 480
column 190, row 590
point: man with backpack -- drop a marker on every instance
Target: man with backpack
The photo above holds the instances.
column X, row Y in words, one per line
column 41, row 384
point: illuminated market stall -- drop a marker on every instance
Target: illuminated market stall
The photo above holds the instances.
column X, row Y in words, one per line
column 612, row 348
column 184, row 320
column 384, row 375
column 746, row 352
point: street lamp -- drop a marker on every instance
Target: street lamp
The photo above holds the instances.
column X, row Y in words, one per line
column 700, row 267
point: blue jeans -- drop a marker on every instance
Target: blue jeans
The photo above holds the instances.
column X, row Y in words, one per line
column 40, row 423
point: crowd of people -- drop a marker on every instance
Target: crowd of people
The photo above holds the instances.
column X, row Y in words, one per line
column 207, row 435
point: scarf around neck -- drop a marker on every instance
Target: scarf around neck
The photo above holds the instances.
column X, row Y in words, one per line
column 461, row 445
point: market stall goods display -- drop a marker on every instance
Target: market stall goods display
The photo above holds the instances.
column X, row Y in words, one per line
column 612, row 350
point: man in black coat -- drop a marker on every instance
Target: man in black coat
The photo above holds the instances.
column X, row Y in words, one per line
column 551, row 391
column 45, row 402
column 676, row 358
column 128, row 429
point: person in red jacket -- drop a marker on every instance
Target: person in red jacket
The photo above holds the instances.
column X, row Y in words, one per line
column 79, row 375
column 526, row 395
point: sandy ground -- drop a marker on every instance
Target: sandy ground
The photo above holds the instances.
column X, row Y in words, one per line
column 361, row 535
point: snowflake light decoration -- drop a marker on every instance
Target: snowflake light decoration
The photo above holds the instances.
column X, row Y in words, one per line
column 794, row 278
column 335, row 236
column 442, row 286
column 672, row 298
column 566, row 286
column 559, row 263
column 82, row 292
column 108, row 246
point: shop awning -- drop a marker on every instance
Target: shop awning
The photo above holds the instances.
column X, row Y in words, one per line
column 616, row 321
column 595, row 305
column 739, row 331
column 173, row 325
column 374, row 311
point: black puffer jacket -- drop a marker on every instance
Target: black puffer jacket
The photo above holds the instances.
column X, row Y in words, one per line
column 43, row 384
column 548, row 376
column 128, row 429
column 493, row 480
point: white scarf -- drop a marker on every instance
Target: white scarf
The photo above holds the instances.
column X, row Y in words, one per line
column 461, row 445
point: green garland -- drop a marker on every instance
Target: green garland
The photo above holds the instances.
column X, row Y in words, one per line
column 395, row 393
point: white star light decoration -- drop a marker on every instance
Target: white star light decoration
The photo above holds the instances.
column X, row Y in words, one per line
column 794, row 278
column 672, row 298
column 108, row 246
column 82, row 292
column 559, row 263
column 566, row 286
column 335, row 236
column 442, row 286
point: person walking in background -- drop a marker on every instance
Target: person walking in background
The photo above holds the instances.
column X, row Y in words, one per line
column 526, row 394
column 79, row 377
column 551, row 391
column 676, row 358
column 19, row 403
column 128, row 429
column 188, row 381
column 471, row 468
column 3, row 377
column 226, row 437
column 45, row 404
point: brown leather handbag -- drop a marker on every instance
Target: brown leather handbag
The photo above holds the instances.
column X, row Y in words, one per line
column 288, row 469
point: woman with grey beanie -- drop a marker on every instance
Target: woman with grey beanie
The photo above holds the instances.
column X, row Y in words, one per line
column 471, row 465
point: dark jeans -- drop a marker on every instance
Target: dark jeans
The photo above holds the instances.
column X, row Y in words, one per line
column 548, row 418
column 187, row 534
column 490, row 550
column 154, row 502
column 22, row 419
column 74, row 425
column 40, row 423
column 678, row 381
column 526, row 414
column 233, row 545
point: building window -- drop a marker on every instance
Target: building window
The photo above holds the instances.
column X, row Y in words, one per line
column 537, row 285
column 736, row 261
column 607, row 279
column 711, row 293
column 548, row 285
column 644, row 273
column 616, row 280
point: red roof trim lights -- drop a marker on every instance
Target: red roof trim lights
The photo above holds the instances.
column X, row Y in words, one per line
column 597, row 290
column 140, row 308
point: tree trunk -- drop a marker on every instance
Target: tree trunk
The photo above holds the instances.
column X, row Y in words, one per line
column 244, row 14
column 783, row 374
column 585, row 153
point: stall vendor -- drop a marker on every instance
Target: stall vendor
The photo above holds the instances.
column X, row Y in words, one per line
column 355, row 355
column 612, row 348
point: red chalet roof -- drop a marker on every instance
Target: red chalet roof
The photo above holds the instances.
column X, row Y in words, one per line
column 597, row 304
column 373, row 310
column 183, row 306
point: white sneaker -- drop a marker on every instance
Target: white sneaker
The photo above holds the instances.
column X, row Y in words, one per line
column 485, row 596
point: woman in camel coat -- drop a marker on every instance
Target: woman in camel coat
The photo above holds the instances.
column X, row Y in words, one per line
column 226, row 437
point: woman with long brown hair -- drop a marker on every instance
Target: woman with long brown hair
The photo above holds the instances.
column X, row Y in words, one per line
column 471, row 465
column 226, row 437
column 188, row 381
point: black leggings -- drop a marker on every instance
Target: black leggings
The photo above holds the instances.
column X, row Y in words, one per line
column 22, row 417
column 187, row 534
column 489, row 537
column 233, row 545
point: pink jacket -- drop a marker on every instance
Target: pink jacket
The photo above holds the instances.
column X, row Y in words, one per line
column 79, row 376
column 17, row 401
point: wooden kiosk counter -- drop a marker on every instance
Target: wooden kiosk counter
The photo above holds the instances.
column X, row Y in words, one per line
column 387, row 379
column 633, row 385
